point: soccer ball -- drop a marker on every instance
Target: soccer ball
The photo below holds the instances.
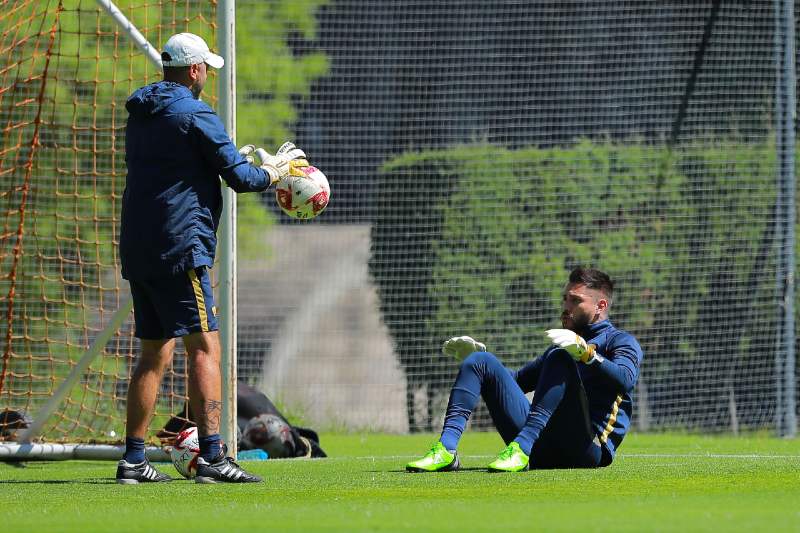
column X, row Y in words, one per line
column 303, row 197
column 185, row 452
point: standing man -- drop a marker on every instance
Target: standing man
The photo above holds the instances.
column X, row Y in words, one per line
column 176, row 150
column 581, row 405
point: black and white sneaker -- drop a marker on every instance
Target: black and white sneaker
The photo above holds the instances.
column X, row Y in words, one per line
column 131, row 474
column 222, row 470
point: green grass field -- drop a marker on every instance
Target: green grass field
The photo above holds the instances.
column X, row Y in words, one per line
column 657, row 483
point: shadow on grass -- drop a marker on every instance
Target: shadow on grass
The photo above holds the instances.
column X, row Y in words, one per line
column 404, row 471
column 15, row 464
column 58, row 481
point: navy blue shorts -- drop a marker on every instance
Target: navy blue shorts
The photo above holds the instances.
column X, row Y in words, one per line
column 166, row 308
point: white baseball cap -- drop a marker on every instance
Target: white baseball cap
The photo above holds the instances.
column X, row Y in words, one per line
column 184, row 49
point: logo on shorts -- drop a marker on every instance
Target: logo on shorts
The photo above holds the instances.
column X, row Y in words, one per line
column 214, row 310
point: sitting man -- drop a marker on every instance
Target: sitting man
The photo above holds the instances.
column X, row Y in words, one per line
column 581, row 406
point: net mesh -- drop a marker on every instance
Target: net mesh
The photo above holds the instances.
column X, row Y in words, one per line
column 476, row 153
column 488, row 148
column 65, row 75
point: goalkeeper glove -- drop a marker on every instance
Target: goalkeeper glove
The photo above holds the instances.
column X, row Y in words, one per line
column 574, row 345
column 461, row 347
column 286, row 162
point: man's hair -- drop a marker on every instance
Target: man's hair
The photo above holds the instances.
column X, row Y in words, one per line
column 173, row 73
column 594, row 279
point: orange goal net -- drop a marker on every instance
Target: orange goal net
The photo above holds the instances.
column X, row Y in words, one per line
column 66, row 70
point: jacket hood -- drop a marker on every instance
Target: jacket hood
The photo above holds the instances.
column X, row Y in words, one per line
column 154, row 98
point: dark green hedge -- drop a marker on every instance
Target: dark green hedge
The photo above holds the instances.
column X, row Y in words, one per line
column 478, row 240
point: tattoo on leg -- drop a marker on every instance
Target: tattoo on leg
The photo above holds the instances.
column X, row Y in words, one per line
column 212, row 411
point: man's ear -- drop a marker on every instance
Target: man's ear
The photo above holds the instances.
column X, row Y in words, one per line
column 194, row 71
column 602, row 304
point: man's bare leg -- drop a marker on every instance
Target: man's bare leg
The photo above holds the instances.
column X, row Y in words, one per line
column 142, row 392
column 205, row 397
column 205, row 380
column 143, row 388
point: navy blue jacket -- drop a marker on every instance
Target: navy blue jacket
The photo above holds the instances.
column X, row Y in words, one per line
column 176, row 148
column 608, row 383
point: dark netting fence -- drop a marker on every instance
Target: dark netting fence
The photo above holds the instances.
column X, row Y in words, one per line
column 477, row 151
column 483, row 150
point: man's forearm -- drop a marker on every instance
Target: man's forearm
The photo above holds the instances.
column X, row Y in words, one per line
column 620, row 375
column 245, row 178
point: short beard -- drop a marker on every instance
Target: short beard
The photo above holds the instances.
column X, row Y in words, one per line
column 196, row 89
column 580, row 323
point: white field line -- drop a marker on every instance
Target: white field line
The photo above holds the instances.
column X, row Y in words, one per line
column 710, row 455
column 624, row 456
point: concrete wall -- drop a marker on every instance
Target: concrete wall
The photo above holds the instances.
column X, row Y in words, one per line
column 310, row 332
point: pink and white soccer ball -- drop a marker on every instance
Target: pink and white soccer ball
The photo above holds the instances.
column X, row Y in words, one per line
column 303, row 197
column 185, row 452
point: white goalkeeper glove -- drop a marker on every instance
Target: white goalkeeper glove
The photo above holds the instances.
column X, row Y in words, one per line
column 574, row 345
column 286, row 162
column 461, row 347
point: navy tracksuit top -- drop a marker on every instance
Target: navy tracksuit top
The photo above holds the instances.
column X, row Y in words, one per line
column 608, row 384
column 176, row 148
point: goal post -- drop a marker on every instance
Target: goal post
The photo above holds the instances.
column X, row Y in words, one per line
column 226, row 109
column 13, row 451
column 785, row 146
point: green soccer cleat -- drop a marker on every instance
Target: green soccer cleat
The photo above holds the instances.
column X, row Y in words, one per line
column 512, row 459
column 438, row 459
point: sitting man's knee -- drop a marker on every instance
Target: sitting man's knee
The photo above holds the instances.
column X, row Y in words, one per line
column 560, row 356
column 479, row 359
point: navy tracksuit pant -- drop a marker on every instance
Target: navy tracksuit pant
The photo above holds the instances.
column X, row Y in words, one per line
column 554, row 429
